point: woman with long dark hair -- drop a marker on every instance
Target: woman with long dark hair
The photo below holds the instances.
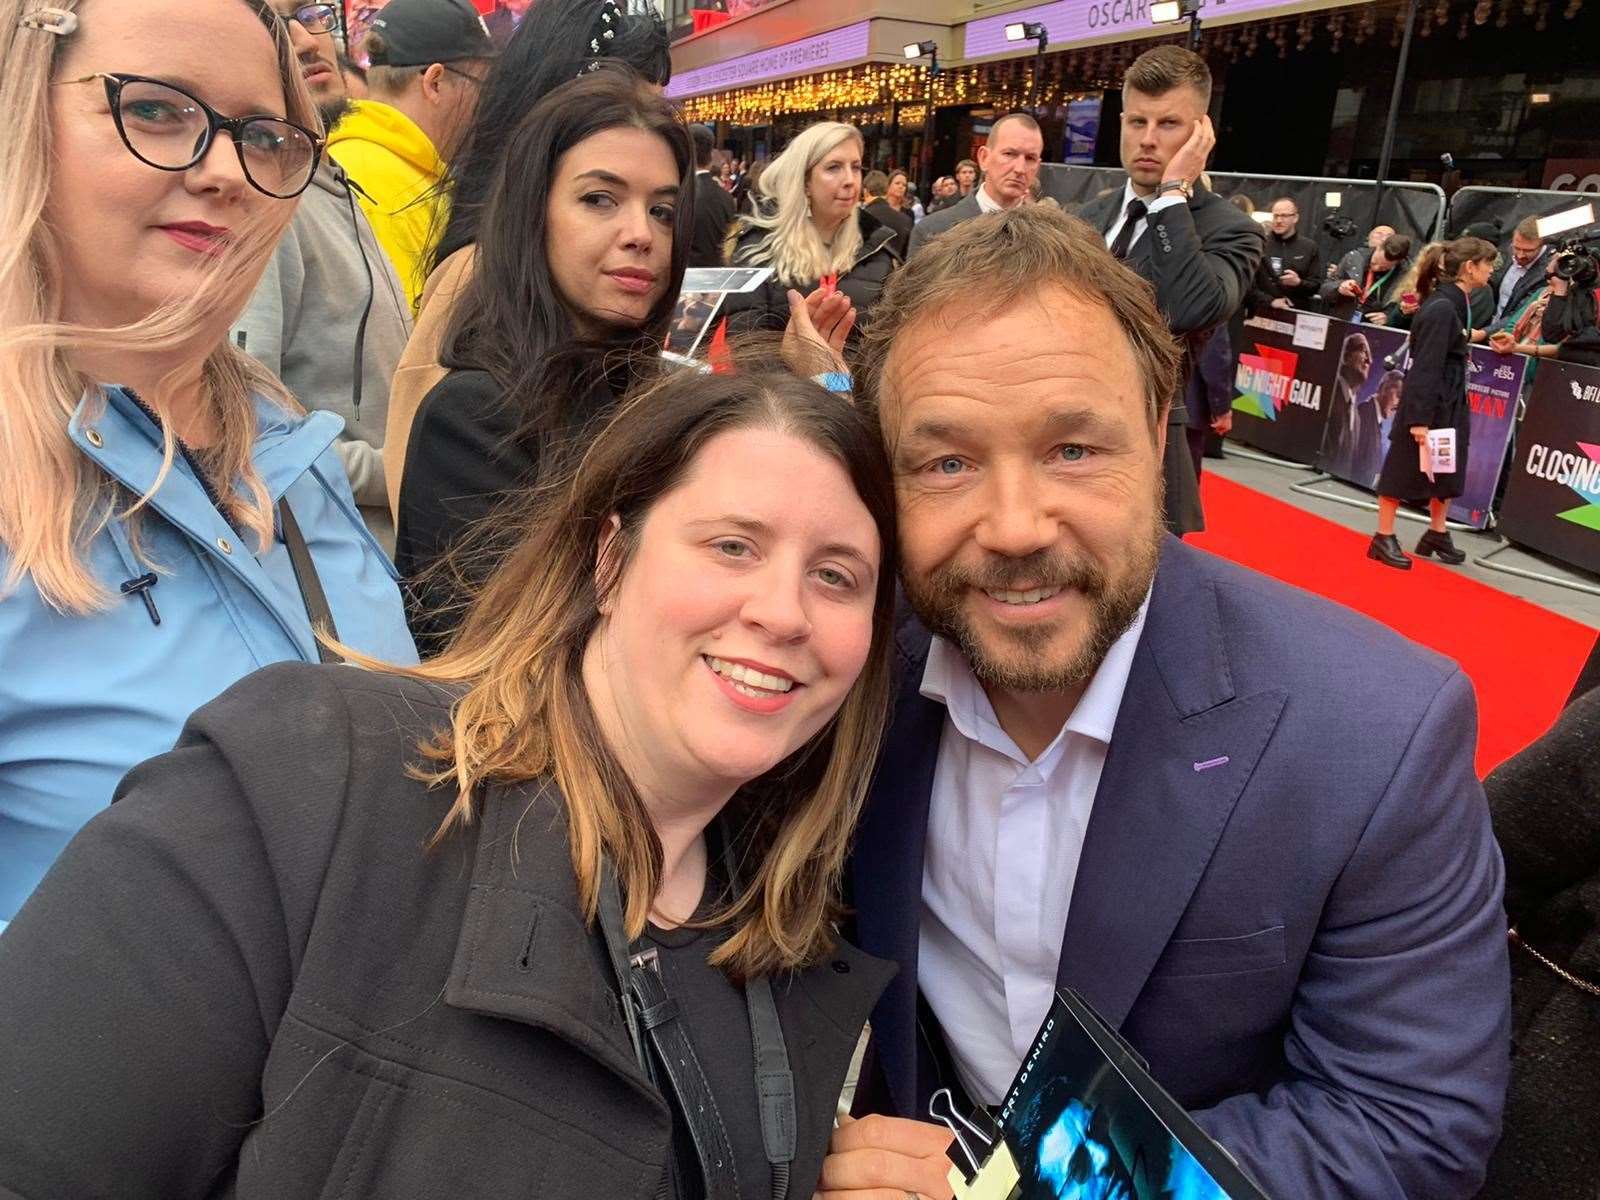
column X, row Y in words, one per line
column 554, row 44
column 1434, row 397
column 552, row 915
column 583, row 241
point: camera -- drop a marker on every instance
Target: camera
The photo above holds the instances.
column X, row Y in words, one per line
column 1339, row 227
column 1577, row 262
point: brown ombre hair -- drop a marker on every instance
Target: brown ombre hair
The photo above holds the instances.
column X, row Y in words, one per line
column 522, row 712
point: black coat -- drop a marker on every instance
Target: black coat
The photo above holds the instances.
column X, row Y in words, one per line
column 713, row 215
column 1434, row 395
column 902, row 224
column 1200, row 258
column 1298, row 254
column 767, row 307
column 249, row 978
column 1531, row 281
column 468, row 455
column 1545, row 803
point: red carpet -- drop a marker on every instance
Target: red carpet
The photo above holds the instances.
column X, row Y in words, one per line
column 1522, row 659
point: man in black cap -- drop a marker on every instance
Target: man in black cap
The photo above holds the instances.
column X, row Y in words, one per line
column 429, row 59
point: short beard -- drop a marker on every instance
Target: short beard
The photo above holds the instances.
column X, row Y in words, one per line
column 939, row 602
column 332, row 112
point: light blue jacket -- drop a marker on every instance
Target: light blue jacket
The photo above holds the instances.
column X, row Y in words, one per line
column 84, row 698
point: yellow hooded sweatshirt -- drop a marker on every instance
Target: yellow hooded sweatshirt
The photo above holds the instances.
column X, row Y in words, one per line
column 396, row 170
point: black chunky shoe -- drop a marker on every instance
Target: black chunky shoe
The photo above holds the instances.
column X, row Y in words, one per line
column 1436, row 543
column 1385, row 548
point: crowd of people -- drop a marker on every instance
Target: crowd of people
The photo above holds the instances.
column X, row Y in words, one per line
column 447, row 746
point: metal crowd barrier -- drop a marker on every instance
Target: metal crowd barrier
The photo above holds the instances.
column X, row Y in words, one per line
column 1504, row 207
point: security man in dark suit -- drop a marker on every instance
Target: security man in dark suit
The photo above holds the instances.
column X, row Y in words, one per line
column 713, row 207
column 1010, row 161
column 1198, row 251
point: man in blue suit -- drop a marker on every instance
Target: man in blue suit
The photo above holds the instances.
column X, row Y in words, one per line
column 1242, row 821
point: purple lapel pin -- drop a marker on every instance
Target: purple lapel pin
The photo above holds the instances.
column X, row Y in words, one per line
column 1211, row 762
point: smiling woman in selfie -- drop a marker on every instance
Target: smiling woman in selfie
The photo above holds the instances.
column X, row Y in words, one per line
column 169, row 520
column 551, row 915
column 581, row 249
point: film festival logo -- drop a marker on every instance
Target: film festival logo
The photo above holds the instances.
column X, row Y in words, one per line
column 1585, row 391
column 1580, row 472
column 1265, row 382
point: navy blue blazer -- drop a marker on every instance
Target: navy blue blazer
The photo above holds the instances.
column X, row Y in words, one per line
column 1307, row 942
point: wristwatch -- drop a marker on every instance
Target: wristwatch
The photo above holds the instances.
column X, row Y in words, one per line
column 1182, row 186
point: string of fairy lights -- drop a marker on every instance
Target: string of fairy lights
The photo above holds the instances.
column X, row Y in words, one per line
column 871, row 91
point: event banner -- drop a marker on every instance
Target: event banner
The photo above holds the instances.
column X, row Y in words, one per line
column 1494, row 384
column 1363, row 395
column 1280, row 383
column 1552, row 502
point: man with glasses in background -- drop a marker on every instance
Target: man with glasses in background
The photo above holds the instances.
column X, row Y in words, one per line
column 428, row 61
column 329, row 317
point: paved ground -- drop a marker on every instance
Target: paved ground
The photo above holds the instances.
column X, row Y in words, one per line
column 1277, row 481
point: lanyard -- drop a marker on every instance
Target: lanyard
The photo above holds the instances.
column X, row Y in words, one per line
column 654, row 1024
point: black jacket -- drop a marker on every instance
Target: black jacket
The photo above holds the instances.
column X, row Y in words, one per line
column 248, row 978
column 465, row 459
column 902, row 224
column 713, row 214
column 1545, row 803
column 1572, row 321
column 1199, row 257
column 768, row 306
column 1298, row 254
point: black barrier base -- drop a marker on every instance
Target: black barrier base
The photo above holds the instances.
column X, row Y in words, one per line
column 1309, row 488
column 1569, row 582
column 1234, row 450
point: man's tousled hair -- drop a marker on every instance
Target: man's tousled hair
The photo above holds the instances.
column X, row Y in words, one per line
column 1157, row 71
column 991, row 262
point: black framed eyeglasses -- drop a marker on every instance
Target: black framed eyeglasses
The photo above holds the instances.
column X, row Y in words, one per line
column 316, row 18
column 170, row 129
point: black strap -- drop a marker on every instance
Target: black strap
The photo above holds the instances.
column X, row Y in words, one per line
column 652, row 1020
column 305, row 574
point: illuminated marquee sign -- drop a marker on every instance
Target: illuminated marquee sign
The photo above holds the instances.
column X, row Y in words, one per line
column 1081, row 20
column 835, row 48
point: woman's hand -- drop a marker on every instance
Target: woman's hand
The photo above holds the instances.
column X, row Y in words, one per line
column 1376, row 318
column 1502, row 342
column 1420, row 433
column 819, row 324
column 1408, row 306
column 886, row 1158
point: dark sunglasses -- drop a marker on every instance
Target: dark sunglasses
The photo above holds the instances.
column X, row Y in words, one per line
column 170, row 129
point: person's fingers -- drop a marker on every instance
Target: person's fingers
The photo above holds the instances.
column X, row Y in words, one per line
column 841, row 332
column 840, row 320
column 881, row 1194
column 918, row 1139
column 858, row 1171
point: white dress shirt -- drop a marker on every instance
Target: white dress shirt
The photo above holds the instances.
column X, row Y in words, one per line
column 1508, row 286
column 1156, row 204
column 988, row 204
column 1003, row 843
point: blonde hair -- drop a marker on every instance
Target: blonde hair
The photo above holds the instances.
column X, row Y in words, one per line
column 522, row 712
column 792, row 247
column 52, row 500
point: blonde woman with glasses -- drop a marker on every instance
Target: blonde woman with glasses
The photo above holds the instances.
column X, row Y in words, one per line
column 810, row 228
column 169, row 519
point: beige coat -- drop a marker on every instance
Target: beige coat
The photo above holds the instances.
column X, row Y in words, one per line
column 419, row 369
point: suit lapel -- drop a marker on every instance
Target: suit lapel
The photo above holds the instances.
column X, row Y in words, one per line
column 1183, row 747
column 886, row 870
